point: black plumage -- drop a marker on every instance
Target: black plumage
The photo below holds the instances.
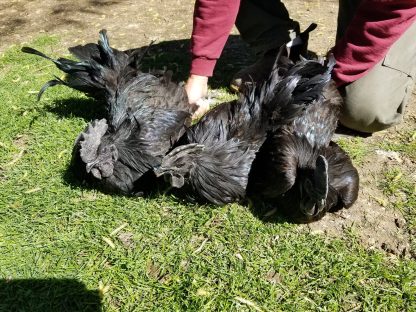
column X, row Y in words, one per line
column 214, row 158
column 343, row 178
column 298, row 169
column 146, row 114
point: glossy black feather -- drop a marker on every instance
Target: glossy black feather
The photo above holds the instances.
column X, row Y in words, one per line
column 299, row 46
column 224, row 143
column 297, row 169
column 342, row 192
column 222, row 146
column 146, row 114
column 343, row 177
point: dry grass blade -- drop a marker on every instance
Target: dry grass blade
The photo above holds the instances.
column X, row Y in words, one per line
column 16, row 159
column 199, row 249
column 109, row 242
column 249, row 303
column 115, row 231
column 34, row 190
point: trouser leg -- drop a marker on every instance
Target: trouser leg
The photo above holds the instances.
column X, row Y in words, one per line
column 377, row 101
column 346, row 11
column 265, row 24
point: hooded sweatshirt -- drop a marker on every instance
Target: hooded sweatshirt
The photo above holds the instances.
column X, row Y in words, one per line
column 376, row 25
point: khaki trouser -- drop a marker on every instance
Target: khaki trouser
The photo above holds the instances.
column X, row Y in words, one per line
column 372, row 103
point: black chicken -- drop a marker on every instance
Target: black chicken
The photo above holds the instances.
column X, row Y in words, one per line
column 298, row 168
column 146, row 114
column 214, row 158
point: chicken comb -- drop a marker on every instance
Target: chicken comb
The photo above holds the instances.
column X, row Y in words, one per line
column 91, row 139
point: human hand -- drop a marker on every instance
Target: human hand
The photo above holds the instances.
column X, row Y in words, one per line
column 197, row 89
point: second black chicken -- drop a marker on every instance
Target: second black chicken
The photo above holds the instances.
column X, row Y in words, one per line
column 298, row 169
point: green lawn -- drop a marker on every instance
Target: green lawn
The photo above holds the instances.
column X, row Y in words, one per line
column 58, row 252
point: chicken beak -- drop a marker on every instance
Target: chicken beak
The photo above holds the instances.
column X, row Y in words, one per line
column 90, row 165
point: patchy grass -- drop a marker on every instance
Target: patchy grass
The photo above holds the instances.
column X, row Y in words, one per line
column 356, row 148
column 404, row 143
column 402, row 194
column 165, row 255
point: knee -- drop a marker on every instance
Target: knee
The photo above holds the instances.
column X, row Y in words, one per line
column 370, row 107
column 361, row 111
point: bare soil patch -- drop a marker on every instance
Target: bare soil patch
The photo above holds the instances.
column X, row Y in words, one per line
column 371, row 219
column 132, row 23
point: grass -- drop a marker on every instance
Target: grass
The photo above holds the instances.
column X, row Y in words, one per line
column 402, row 193
column 405, row 143
column 356, row 148
column 59, row 249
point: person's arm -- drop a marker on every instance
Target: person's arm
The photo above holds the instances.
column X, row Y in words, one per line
column 376, row 25
column 213, row 20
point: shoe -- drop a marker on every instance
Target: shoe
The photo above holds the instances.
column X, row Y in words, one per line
column 298, row 47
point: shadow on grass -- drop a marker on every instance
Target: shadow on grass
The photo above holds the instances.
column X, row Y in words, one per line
column 47, row 295
column 85, row 108
column 148, row 186
column 267, row 213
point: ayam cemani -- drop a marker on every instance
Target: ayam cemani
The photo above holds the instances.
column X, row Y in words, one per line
column 272, row 144
column 145, row 114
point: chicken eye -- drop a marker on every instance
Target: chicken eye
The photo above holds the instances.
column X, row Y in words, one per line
column 101, row 149
column 180, row 163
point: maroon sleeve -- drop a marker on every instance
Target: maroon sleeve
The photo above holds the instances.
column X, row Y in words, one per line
column 376, row 25
column 213, row 20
